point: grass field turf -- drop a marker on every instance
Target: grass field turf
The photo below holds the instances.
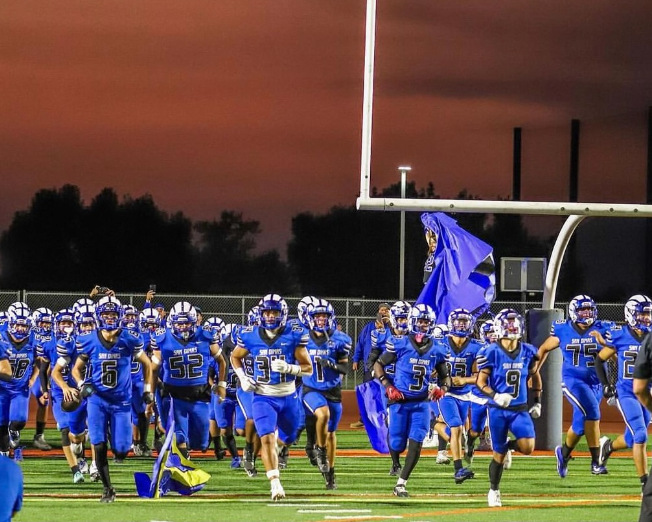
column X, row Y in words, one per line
column 531, row 491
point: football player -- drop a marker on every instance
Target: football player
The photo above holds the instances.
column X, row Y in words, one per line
column 416, row 357
column 505, row 369
column 580, row 384
column 280, row 355
column 625, row 342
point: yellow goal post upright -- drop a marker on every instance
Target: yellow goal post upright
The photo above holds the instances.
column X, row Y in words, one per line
column 549, row 426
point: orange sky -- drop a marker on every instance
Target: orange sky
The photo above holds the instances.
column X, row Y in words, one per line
column 256, row 105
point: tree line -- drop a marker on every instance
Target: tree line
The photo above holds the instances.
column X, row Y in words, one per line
column 61, row 244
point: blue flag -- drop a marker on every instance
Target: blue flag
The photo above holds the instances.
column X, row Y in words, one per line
column 373, row 414
column 172, row 471
column 463, row 269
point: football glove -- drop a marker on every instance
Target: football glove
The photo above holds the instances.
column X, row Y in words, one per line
column 148, row 397
column 327, row 362
column 435, row 392
column 609, row 391
column 535, row 411
column 248, row 384
column 281, row 366
column 503, row 399
column 393, row 393
column 86, row 389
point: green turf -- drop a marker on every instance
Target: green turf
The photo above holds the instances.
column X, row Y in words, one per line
column 531, row 491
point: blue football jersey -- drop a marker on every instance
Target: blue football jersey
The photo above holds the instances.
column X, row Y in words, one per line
column 184, row 363
column 627, row 345
column 110, row 363
column 380, row 337
column 509, row 370
column 21, row 356
column 578, row 349
column 460, row 362
column 414, row 365
column 335, row 347
column 264, row 350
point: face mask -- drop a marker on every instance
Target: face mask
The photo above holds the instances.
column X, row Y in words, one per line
column 68, row 330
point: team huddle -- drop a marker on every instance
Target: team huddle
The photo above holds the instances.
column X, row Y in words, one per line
column 108, row 368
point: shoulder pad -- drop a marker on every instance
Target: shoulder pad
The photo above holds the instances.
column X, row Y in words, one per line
column 560, row 321
column 159, row 331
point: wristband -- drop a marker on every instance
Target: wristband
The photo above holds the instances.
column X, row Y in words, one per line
column 240, row 373
column 221, row 384
column 147, row 388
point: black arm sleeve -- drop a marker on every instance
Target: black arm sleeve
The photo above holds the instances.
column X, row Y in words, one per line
column 442, row 375
column 43, row 375
column 599, row 369
column 373, row 357
column 386, row 358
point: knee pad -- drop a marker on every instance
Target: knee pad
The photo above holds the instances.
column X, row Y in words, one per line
column 16, row 425
column 65, row 440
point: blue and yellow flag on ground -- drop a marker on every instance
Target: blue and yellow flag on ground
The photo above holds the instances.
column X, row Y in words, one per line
column 172, row 472
column 463, row 269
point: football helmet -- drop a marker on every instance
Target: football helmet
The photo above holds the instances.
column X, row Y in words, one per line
column 42, row 320
column 231, row 331
column 460, row 322
column 638, row 312
column 214, row 324
column 488, row 332
column 18, row 304
column 302, row 309
column 20, row 321
column 130, row 317
column 108, row 313
column 84, row 301
column 85, row 317
column 582, row 310
column 150, row 320
column 61, row 320
column 399, row 315
column 321, row 306
column 273, row 303
column 4, row 317
column 422, row 320
column 509, row 324
column 253, row 316
column 440, row 331
column 183, row 320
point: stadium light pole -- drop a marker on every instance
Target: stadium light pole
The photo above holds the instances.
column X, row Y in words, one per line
column 401, row 263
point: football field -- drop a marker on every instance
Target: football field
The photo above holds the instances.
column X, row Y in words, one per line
column 531, row 490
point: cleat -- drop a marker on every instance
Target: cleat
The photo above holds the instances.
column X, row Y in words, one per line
column 312, row 455
column 322, row 460
column 220, row 454
column 562, row 464
column 145, row 450
column 108, row 496
column 396, row 470
column 507, row 463
column 251, row 473
column 277, row 491
column 83, row 466
column 606, row 449
column 136, row 449
column 463, row 474
column 330, row 479
column 41, row 443
column 485, row 445
column 400, row 491
column 94, row 473
column 14, row 439
column 236, row 463
column 356, row 425
column 442, row 457
column 78, row 478
column 283, row 457
column 493, row 498
column 597, row 469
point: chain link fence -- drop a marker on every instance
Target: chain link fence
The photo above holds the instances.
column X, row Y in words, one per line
column 352, row 314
